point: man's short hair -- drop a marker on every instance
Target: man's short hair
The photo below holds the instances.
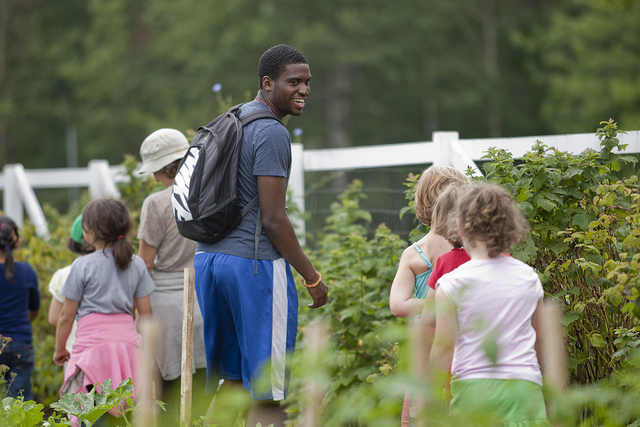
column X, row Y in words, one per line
column 275, row 59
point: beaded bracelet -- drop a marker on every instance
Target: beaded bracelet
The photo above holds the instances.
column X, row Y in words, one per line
column 313, row 285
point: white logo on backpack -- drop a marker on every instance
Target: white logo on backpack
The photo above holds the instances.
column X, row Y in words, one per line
column 181, row 185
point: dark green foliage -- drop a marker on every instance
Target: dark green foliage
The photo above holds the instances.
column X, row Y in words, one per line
column 583, row 241
column 382, row 73
column 364, row 337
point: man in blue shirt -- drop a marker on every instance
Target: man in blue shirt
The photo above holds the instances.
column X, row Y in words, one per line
column 250, row 320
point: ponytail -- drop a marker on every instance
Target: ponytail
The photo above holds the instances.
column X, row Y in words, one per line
column 110, row 220
column 8, row 241
column 122, row 252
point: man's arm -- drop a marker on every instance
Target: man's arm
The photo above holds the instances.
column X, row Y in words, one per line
column 272, row 197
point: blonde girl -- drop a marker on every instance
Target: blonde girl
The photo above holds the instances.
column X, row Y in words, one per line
column 409, row 287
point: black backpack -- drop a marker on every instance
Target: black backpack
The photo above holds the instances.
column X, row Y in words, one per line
column 205, row 190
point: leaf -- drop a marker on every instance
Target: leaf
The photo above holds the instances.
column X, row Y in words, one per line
column 386, row 369
column 615, row 166
column 618, row 354
column 570, row 317
column 629, row 159
column 93, row 405
column 582, row 221
column 571, row 172
column 572, row 363
column 609, row 198
column 596, row 340
column 491, row 351
column 636, row 308
column 17, row 412
column 545, row 204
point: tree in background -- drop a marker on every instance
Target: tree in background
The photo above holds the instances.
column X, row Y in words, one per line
column 586, row 62
column 37, row 104
column 382, row 73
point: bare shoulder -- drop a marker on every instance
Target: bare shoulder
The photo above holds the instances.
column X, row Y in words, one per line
column 433, row 246
column 413, row 260
column 408, row 254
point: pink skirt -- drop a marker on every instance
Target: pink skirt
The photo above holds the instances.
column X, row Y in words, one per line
column 106, row 346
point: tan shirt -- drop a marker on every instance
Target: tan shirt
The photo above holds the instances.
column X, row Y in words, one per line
column 158, row 229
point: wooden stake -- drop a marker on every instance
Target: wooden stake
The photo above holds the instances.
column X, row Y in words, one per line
column 314, row 395
column 150, row 331
column 554, row 356
column 420, row 344
column 186, row 382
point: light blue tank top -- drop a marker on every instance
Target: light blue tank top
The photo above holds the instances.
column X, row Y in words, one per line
column 421, row 286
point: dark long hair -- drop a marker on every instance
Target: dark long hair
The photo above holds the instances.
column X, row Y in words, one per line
column 8, row 240
column 110, row 220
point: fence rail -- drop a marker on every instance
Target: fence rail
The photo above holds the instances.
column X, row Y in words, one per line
column 446, row 148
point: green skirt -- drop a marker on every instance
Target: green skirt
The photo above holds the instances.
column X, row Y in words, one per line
column 512, row 403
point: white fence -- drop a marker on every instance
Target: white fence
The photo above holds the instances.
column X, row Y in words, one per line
column 445, row 148
column 18, row 187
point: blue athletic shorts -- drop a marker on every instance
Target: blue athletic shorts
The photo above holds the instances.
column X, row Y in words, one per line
column 250, row 322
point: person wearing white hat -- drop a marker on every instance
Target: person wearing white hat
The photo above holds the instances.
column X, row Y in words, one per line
column 166, row 254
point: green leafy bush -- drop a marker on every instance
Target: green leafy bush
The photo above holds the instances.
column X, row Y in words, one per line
column 583, row 241
column 86, row 407
column 364, row 336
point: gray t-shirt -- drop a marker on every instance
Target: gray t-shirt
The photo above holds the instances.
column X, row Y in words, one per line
column 266, row 151
column 101, row 287
column 158, row 229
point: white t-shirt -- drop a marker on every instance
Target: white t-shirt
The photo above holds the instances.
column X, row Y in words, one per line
column 55, row 287
column 494, row 300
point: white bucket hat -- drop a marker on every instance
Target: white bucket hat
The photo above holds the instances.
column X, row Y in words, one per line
column 162, row 148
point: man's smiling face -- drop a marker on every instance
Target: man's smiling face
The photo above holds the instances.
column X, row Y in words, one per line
column 289, row 92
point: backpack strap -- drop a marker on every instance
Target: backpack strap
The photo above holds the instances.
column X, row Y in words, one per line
column 258, row 232
column 257, row 241
column 257, row 115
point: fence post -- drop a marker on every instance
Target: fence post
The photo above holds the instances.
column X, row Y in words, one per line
column 460, row 159
column 186, row 379
column 102, row 182
column 12, row 202
column 442, row 144
column 296, row 185
column 18, row 196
